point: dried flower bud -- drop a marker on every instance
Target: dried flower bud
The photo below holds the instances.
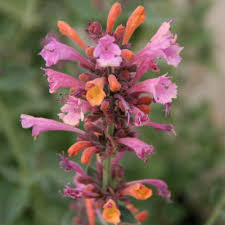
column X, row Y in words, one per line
column 119, row 32
column 146, row 100
column 144, row 108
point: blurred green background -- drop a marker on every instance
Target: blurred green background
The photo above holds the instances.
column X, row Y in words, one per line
column 193, row 163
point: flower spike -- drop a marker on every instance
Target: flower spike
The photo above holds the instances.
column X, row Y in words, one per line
column 114, row 13
column 112, row 103
column 134, row 21
column 67, row 30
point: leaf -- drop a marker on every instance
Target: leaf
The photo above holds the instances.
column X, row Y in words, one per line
column 127, row 217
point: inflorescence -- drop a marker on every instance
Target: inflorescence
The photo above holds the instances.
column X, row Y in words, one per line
column 111, row 102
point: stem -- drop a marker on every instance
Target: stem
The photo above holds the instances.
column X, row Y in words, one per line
column 217, row 210
column 107, row 167
column 107, row 172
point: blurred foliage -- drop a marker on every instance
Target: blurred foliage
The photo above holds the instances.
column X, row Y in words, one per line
column 30, row 179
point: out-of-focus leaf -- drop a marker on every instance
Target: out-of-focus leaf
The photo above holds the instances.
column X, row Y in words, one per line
column 15, row 199
column 127, row 217
column 15, row 77
column 9, row 173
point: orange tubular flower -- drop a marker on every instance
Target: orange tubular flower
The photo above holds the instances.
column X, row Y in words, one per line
column 134, row 21
column 127, row 54
column 114, row 84
column 90, row 210
column 67, row 30
column 77, row 147
column 111, row 213
column 114, row 13
column 142, row 216
column 138, row 191
column 87, row 154
column 95, row 94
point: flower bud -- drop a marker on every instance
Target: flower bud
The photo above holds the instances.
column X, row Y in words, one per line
column 142, row 216
column 77, row 147
column 114, row 84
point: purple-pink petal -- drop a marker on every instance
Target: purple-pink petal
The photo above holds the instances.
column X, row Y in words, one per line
column 40, row 125
column 72, row 192
column 61, row 80
column 140, row 117
column 162, row 88
column 107, row 52
column 161, row 127
column 142, row 149
column 162, row 45
column 55, row 51
column 73, row 111
column 162, row 187
column 71, row 165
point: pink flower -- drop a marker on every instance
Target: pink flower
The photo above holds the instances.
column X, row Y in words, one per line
column 162, row 88
column 162, row 187
column 162, row 45
column 74, row 110
column 71, row 166
column 138, row 146
column 160, row 127
column 40, row 125
column 61, row 80
column 55, row 51
column 107, row 52
column 140, row 117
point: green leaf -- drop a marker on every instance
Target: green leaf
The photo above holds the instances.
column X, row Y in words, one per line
column 127, row 217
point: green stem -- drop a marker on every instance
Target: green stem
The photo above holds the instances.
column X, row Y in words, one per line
column 216, row 211
column 107, row 166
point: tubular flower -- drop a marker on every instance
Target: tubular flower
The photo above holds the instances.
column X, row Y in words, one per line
column 114, row 13
column 65, row 29
column 95, row 94
column 112, row 103
column 138, row 191
column 110, row 212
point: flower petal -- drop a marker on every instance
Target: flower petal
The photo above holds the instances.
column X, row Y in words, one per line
column 161, row 87
column 162, row 187
column 40, row 125
column 138, row 146
column 160, row 127
column 61, row 80
column 73, row 111
column 55, row 51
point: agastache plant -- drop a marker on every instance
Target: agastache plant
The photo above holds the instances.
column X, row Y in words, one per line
column 112, row 102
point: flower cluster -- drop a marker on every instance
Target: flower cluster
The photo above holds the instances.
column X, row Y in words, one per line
column 111, row 102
